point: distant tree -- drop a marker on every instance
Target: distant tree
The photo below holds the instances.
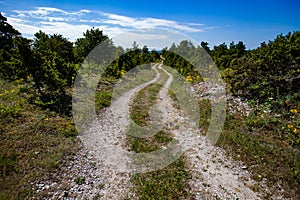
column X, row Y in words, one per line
column 205, row 46
column 155, row 56
column 237, row 50
column 135, row 46
column 145, row 50
column 220, row 50
column 225, row 56
column 173, row 47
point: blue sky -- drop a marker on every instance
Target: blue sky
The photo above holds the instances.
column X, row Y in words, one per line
column 158, row 23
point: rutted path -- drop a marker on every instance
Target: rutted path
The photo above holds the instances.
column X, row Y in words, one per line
column 106, row 140
column 213, row 174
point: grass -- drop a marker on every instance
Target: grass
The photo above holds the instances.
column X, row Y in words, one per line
column 170, row 182
column 263, row 142
column 265, row 155
column 33, row 142
column 103, row 94
column 103, row 99
column 139, row 113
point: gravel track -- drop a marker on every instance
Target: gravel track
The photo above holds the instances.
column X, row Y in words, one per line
column 104, row 158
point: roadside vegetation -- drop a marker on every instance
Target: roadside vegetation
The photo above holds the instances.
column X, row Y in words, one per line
column 34, row 142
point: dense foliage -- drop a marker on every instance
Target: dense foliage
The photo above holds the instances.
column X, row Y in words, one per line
column 268, row 74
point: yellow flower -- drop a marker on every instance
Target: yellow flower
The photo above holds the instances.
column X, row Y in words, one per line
column 46, row 119
column 1, row 95
column 20, row 80
column 5, row 91
column 12, row 91
column 259, row 176
column 189, row 78
column 123, row 72
column 295, row 130
column 290, row 126
column 294, row 111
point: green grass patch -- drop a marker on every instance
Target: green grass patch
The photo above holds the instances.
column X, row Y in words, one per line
column 139, row 113
column 103, row 99
column 205, row 114
column 141, row 145
column 170, row 182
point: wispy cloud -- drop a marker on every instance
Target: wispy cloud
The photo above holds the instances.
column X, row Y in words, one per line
column 72, row 24
column 40, row 12
column 147, row 23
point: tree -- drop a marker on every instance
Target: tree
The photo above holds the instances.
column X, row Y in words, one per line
column 15, row 52
column 220, row 50
column 92, row 38
column 145, row 50
column 7, row 34
column 19, row 61
column 52, row 69
column 204, row 45
column 237, row 50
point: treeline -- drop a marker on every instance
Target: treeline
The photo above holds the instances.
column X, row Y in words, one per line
column 269, row 74
column 49, row 63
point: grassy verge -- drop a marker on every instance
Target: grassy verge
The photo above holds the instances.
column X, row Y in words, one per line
column 33, row 142
column 169, row 182
column 266, row 144
column 267, row 157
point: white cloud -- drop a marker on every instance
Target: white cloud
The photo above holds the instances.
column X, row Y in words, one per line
column 72, row 24
column 147, row 23
column 84, row 11
column 38, row 13
column 23, row 26
column 195, row 24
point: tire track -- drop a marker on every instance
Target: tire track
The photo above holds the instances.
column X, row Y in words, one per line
column 105, row 158
column 213, row 174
